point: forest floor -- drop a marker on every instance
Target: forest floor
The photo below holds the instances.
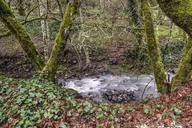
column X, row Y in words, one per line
column 49, row 107
column 174, row 110
column 30, row 103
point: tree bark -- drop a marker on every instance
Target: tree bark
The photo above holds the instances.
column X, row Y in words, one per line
column 52, row 64
column 153, row 48
column 85, row 49
column 43, row 10
column 180, row 12
column 185, row 67
column 7, row 17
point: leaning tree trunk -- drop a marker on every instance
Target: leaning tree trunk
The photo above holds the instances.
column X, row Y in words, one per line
column 188, row 45
column 180, row 12
column 153, row 48
column 7, row 17
column 52, row 64
column 184, row 71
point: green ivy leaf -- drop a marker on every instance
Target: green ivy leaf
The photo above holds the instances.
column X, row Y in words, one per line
column 177, row 111
column 63, row 125
column 146, row 110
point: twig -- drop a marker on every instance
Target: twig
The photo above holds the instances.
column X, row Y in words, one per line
column 146, row 88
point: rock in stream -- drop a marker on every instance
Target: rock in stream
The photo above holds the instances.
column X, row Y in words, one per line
column 114, row 88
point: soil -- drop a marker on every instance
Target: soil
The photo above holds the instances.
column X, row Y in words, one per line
column 105, row 60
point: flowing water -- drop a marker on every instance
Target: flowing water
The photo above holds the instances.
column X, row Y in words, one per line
column 114, row 88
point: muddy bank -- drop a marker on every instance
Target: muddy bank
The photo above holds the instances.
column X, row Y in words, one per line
column 16, row 66
column 104, row 61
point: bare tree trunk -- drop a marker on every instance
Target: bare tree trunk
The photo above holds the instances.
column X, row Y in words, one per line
column 80, row 61
column 86, row 52
column 154, row 50
column 170, row 31
column 43, row 11
column 87, row 58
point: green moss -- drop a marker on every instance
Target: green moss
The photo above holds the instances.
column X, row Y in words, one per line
column 183, row 71
column 22, row 36
column 52, row 64
column 188, row 45
column 180, row 12
column 153, row 48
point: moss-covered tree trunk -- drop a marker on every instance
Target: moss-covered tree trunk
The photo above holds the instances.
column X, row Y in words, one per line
column 52, row 64
column 185, row 67
column 180, row 12
column 28, row 46
column 7, row 17
column 153, row 48
column 188, row 46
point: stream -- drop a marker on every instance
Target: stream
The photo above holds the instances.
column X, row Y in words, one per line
column 114, row 88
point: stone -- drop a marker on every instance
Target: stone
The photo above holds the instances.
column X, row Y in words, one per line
column 114, row 88
column 118, row 96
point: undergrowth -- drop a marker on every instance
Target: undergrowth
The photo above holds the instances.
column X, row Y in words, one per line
column 25, row 103
column 38, row 103
column 31, row 103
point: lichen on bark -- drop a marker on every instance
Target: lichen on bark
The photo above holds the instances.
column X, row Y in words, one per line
column 153, row 48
